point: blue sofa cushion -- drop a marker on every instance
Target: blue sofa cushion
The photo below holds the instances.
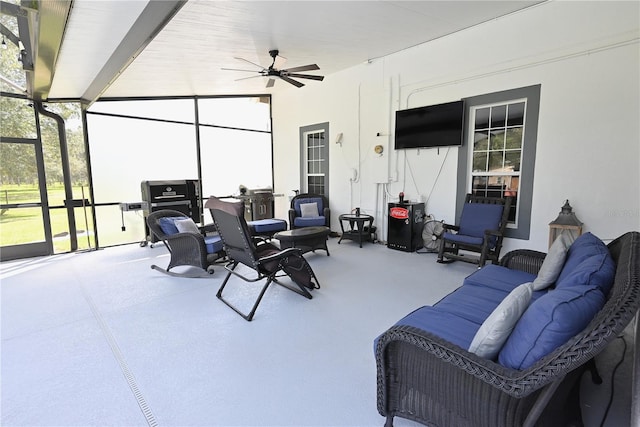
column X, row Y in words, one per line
column 590, row 263
column 167, row 224
column 548, row 323
column 478, row 217
column 213, row 244
column 498, row 277
column 445, row 325
column 267, row 225
column 473, row 303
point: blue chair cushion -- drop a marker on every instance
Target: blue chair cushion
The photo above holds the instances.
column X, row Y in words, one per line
column 588, row 263
column 478, row 217
column 464, row 239
column 268, row 225
column 167, row 224
column 317, row 200
column 309, row 222
column 213, row 244
column 548, row 323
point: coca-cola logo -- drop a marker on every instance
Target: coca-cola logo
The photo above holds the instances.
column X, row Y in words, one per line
column 399, row 213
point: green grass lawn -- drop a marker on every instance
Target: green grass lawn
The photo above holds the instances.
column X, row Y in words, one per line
column 25, row 225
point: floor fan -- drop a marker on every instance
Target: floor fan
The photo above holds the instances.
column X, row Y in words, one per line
column 431, row 233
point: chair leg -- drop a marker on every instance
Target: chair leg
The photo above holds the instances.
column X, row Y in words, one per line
column 189, row 275
column 226, row 279
column 389, row 422
column 248, row 317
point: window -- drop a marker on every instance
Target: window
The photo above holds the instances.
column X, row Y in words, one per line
column 496, row 152
column 315, row 159
column 498, row 157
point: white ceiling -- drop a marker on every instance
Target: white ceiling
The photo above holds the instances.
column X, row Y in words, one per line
column 186, row 56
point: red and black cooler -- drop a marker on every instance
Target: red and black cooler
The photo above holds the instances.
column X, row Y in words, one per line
column 405, row 226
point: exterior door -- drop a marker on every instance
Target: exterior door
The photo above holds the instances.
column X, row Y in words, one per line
column 315, row 159
column 25, row 229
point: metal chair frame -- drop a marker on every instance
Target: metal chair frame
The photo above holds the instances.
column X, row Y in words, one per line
column 265, row 259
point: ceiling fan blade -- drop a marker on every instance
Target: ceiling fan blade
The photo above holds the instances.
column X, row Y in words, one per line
column 246, row 60
column 279, row 62
column 293, row 82
column 271, row 82
column 238, row 69
column 305, row 76
column 245, row 78
column 303, row 68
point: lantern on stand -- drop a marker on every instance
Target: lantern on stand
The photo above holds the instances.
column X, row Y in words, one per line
column 566, row 222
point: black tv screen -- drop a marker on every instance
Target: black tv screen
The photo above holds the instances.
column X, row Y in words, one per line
column 431, row 126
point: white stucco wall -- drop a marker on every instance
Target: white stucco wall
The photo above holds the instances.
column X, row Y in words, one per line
column 588, row 146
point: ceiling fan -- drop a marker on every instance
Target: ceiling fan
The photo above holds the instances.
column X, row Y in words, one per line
column 274, row 71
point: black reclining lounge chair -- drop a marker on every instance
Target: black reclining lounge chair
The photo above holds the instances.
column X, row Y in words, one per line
column 268, row 262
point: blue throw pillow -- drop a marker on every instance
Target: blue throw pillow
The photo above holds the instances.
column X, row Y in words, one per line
column 167, row 224
column 298, row 202
column 597, row 270
column 585, row 246
column 548, row 323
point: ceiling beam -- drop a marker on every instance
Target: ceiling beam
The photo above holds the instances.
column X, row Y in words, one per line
column 155, row 16
column 50, row 21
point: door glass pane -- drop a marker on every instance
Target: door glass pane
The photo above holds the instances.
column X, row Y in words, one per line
column 20, row 211
column 17, row 118
column 316, row 166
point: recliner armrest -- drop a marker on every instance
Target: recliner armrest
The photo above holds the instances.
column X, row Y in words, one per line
column 282, row 254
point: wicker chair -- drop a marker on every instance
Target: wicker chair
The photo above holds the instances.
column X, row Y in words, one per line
column 429, row 380
column 481, row 229
column 186, row 248
column 296, row 217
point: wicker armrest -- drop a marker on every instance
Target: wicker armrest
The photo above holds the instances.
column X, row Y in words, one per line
column 523, row 260
column 184, row 242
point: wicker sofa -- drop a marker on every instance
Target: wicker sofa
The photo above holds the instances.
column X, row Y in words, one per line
column 430, row 379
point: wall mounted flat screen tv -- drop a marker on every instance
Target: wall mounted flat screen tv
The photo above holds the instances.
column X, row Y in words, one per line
column 431, row 126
